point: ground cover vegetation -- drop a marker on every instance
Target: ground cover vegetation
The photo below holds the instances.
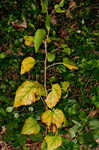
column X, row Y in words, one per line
column 49, row 75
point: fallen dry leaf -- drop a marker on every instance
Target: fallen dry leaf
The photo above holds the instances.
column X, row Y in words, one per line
column 19, row 52
column 97, row 141
column 66, row 136
column 72, row 6
column 53, row 20
column 3, row 130
column 22, row 25
column 94, row 113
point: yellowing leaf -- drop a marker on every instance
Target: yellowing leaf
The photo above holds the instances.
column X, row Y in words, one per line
column 65, row 85
column 69, row 64
column 57, row 89
column 27, row 93
column 58, row 118
column 52, row 99
column 38, row 38
column 27, row 64
column 28, row 40
column 47, row 117
column 54, row 96
column 30, row 126
column 53, row 142
column 55, row 118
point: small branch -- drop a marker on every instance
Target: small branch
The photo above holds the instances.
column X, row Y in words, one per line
column 44, row 103
column 59, row 63
column 45, row 66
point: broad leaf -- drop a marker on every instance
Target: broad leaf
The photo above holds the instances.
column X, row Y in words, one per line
column 38, row 38
column 57, row 89
column 53, row 142
column 30, row 126
column 28, row 40
column 54, row 96
column 47, row 117
column 27, row 64
column 69, row 64
column 53, row 118
column 28, row 93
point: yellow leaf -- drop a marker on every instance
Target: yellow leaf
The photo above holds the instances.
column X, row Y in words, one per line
column 58, row 118
column 47, row 117
column 69, row 64
column 53, row 142
column 65, row 85
column 55, row 118
column 54, row 96
column 30, row 126
column 28, row 40
column 27, row 93
column 56, row 88
column 27, row 64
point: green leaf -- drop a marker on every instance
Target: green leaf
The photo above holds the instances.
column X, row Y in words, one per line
column 50, row 57
column 94, row 124
column 44, row 4
column 58, row 7
column 2, row 55
column 44, row 145
column 38, row 38
column 47, row 22
column 30, row 126
column 61, row 4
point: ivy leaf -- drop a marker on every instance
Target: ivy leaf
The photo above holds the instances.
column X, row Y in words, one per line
column 28, row 40
column 53, row 118
column 38, row 38
column 69, row 64
column 30, row 126
column 27, row 64
column 28, row 93
column 54, row 96
column 53, row 142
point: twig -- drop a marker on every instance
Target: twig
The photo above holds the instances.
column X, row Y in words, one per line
column 45, row 65
column 44, row 103
column 54, row 64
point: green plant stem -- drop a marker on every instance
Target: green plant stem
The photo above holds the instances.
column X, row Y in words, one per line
column 54, row 64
